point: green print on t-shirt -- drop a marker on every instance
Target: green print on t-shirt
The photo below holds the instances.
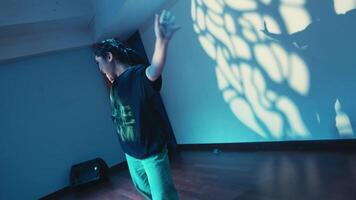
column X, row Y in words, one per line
column 127, row 123
column 124, row 121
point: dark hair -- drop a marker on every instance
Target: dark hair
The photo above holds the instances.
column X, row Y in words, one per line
column 119, row 51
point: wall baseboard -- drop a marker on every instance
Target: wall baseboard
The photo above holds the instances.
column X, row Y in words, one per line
column 306, row 145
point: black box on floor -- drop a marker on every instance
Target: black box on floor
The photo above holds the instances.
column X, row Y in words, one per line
column 88, row 172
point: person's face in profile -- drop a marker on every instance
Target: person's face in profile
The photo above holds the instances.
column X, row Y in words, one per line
column 106, row 66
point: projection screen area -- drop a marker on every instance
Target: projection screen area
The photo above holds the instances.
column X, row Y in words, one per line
column 261, row 70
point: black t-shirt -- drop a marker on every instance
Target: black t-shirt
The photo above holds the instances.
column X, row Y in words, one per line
column 138, row 113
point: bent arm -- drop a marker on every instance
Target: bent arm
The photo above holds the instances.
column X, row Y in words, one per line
column 164, row 27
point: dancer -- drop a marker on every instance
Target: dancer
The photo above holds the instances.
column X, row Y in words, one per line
column 135, row 99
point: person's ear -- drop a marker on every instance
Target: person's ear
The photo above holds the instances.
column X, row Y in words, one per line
column 109, row 57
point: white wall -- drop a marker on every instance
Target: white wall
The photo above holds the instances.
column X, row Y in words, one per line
column 194, row 104
column 252, row 92
column 54, row 112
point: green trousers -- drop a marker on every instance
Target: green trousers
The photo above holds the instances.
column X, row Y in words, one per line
column 152, row 176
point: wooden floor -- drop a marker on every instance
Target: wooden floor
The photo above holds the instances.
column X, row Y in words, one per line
column 245, row 176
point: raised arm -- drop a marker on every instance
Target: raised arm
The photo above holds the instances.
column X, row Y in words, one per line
column 165, row 27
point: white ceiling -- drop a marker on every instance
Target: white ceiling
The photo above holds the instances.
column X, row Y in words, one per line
column 30, row 27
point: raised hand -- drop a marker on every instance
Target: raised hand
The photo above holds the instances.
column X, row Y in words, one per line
column 165, row 26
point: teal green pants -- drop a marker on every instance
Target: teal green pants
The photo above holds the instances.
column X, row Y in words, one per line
column 152, row 176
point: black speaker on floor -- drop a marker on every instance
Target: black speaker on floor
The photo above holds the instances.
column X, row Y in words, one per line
column 89, row 172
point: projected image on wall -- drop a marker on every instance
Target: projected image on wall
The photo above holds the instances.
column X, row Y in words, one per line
column 283, row 68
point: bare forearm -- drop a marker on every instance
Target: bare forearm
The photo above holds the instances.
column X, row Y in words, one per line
column 164, row 29
column 158, row 58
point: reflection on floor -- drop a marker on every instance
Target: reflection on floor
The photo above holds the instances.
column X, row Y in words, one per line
column 245, row 175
